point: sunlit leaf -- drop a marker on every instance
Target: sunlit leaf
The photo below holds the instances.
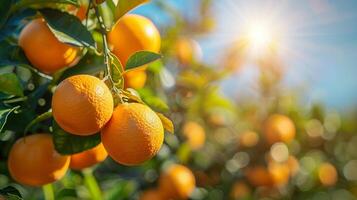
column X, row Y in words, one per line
column 141, row 58
column 68, row 28
column 66, row 143
column 116, row 71
column 166, row 122
column 10, row 84
column 125, row 6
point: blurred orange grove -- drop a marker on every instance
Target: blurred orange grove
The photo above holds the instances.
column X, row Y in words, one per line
column 327, row 174
column 177, row 181
column 248, row 139
column 194, row 134
column 279, row 128
column 187, row 50
column 240, row 190
column 151, row 194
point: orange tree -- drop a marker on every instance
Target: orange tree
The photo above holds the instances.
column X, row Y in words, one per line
column 64, row 97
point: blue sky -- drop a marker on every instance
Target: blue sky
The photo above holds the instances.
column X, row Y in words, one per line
column 320, row 43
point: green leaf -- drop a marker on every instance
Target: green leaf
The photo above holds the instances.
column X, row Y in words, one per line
column 89, row 64
column 11, row 193
column 4, row 11
column 10, row 84
column 166, row 122
column 68, row 28
column 116, row 71
column 65, row 193
column 67, row 144
column 150, row 98
column 125, row 6
column 141, row 58
column 22, row 4
column 38, row 119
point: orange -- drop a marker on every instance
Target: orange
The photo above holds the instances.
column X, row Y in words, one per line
column 82, row 104
column 133, row 135
column 34, row 161
column 187, row 50
column 248, row 139
column 44, row 50
column 258, row 176
column 293, row 165
column 279, row 172
column 130, row 34
column 80, row 12
column 177, row 182
column 135, row 78
column 194, row 134
column 88, row 158
column 133, row 33
column 327, row 174
column 152, row 194
column 279, row 128
column 240, row 190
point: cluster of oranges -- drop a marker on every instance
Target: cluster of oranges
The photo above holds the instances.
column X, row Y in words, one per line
column 83, row 105
column 276, row 129
column 176, row 182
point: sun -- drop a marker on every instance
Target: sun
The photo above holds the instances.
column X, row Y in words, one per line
column 261, row 37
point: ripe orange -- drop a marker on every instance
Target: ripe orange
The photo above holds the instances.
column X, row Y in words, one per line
column 177, row 182
column 133, row 135
column 79, row 12
column 135, row 78
column 279, row 172
column 248, row 139
column 240, row 190
column 152, row 194
column 327, row 174
column 187, row 50
column 293, row 165
column 88, row 158
column 34, row 161
column 82, row 104
column 44, row 50
column 130, row 34
column 258, row 176
column 133, row 33
column 194, row 134
column 279, row 128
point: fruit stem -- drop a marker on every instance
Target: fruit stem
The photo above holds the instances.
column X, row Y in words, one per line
column 48, row 192
column 105, row 44
column 91, row 184
column 15, row 100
